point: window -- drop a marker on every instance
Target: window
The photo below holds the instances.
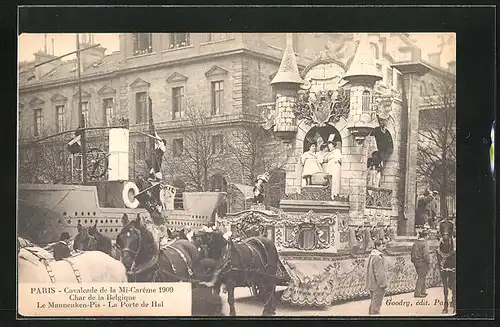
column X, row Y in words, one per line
column 178, row 146
column 365, row 106
column 177, row 98
column 85, row 112
column 217, row 97
column 60, row 118
column 217, row 36
column 38, row 122
column 143, row 43
column 379, row 69
column 389, row 76
column 274, row 94
column 179, row 40
column 140, row 107
column 399, row 83
column 108, row 111
column 423, row 89
column 217, row 144
column 141, row 150
column 374, row 49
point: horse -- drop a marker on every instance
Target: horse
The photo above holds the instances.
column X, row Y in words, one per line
column 36, row 265
column 90, row 239
column 252, row 262
column 146, row 261
column 176, row 234
column 445, row 255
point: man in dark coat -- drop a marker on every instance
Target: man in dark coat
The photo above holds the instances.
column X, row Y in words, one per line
column 420, row 258
column 376, row 277
column 420, row 218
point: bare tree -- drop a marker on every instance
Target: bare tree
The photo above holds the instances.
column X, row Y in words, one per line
column 255, row 151
column 437, row 140
column 200, row 154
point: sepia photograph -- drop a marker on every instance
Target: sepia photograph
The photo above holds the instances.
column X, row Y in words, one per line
column 236, row 174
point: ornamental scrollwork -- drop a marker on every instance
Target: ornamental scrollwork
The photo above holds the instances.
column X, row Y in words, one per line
column 322, row 107
column 378, row 197
column 306, row 236
column 318, row 195
column 383, row 108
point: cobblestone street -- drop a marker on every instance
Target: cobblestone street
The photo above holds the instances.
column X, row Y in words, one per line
column 397, row 305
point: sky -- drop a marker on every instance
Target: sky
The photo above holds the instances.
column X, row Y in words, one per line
column 64, row 43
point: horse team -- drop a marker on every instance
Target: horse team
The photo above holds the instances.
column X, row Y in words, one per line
column 208, row 259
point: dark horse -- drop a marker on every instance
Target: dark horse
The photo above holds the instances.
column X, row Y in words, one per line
column 447, row 264
column 90, row 239
column 252, row 262
column 145, row 261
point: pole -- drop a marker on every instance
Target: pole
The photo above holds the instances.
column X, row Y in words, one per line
column 151, row 131
column 80, row 113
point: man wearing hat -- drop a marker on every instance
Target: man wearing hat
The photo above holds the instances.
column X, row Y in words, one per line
column 376, row 276
column 258, row 189
column 420, row 258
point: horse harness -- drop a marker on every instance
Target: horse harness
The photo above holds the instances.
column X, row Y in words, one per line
column 190, row 272
column 46, row 263
column 444, row 256
column 227, row 255
column 135, row 253
column 135, row 270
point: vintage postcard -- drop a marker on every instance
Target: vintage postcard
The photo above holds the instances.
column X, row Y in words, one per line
column 236, row 174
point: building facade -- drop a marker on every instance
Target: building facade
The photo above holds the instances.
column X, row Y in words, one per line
column 225, row 75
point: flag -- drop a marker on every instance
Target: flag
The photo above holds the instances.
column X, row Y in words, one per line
column 75, row 145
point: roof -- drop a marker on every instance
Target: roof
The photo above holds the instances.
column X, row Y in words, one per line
column 67, row 69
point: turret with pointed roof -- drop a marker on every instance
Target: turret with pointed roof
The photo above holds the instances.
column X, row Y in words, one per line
column 363, row 66
column 286, row 82
column 288, row 71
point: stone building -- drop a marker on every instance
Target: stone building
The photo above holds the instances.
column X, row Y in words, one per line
column 228, row 75
column 437, row 127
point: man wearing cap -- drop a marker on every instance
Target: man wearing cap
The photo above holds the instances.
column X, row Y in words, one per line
column 376, row 276
column 420, row 258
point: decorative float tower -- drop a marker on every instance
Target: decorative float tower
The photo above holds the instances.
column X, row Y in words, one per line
column 324, row 233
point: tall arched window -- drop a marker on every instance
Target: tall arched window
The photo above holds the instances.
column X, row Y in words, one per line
column 366, row 101
column 374, row 49
column 423, row 89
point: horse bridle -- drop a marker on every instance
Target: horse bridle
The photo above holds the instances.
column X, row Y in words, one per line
column 135, row 253
column 445, row 256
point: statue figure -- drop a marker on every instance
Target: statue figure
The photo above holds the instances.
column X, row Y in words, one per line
column 310, row 163
column 258, row 189
column 374, row 165
column 332, row 163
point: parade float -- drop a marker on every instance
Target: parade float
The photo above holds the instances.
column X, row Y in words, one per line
column 45, row 210
column 325, row 235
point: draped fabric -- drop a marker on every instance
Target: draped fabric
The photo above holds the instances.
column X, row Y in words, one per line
column 333, row 163
column 311, row 163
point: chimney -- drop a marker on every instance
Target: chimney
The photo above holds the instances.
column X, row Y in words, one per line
column 90, row 56
column 452, row 67
column 435, row 58
column 42, row 70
